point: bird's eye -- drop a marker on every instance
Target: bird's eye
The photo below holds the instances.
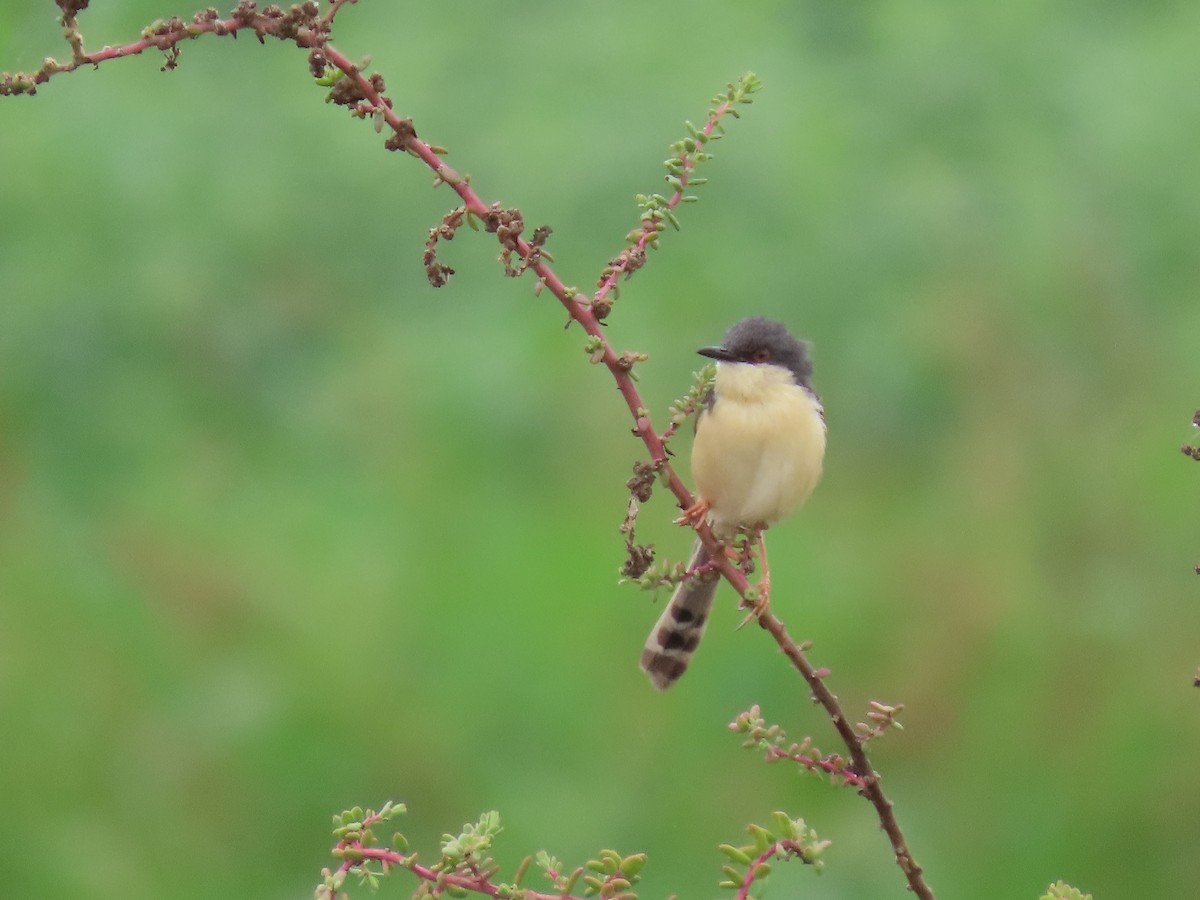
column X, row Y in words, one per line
column 761, row 356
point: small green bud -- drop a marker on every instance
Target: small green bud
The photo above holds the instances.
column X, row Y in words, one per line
column 737, row 854
column 634, row 864
column 762, row 838
column 594, row 884
column 784, row 825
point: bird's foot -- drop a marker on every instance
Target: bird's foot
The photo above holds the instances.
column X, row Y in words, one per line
column 694, row 514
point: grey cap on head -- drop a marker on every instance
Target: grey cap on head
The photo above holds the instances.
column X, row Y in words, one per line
column 760, row 341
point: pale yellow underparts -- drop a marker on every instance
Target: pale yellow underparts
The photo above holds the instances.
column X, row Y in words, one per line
column 758, row 452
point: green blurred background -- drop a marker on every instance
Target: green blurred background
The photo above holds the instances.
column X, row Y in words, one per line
column 284, row 530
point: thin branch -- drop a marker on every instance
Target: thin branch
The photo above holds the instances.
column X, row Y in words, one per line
column 870, row 780
column 334, row 7
column 357, row 850
column 786, row 848
column 829, row 765
column 657, row 210
column 300, row 24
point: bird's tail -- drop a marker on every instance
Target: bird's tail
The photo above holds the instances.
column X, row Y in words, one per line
column 677, row 632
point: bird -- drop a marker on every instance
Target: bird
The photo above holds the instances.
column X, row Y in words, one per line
column 758, row 454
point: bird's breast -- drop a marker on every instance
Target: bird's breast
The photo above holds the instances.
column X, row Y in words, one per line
column 759, row 449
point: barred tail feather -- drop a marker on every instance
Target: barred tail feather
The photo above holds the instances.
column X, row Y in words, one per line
column 677, row 632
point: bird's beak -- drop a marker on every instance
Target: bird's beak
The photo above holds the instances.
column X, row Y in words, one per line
column 716, row 353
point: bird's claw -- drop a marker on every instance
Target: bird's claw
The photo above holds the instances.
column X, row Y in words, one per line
column 694, row 514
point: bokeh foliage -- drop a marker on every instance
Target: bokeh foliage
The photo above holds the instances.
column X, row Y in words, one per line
column 283, row 530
